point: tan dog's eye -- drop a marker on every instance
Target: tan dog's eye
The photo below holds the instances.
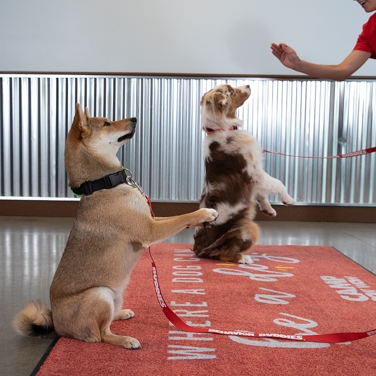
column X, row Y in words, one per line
column 106, row 124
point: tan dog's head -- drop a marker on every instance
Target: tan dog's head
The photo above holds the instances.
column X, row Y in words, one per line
column 92, row 144
column 218, row 107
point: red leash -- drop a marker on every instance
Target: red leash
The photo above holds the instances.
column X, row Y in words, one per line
column 347, row 155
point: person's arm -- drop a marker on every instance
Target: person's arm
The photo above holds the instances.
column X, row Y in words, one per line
column 339, row 72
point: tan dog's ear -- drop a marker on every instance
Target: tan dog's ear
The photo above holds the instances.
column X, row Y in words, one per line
column 87, row 113
column 80, row 123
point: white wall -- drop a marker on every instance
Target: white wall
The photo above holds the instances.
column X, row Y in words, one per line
column 173, row 36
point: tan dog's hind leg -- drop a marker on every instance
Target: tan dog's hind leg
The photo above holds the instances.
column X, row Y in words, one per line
column 88, row 316
column 129, row 343
column 106, row 334
column 108, row 315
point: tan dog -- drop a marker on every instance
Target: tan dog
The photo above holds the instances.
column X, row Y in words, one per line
column 234, row 178
column 112, row 228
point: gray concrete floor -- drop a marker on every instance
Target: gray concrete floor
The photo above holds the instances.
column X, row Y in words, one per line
column 30, row 249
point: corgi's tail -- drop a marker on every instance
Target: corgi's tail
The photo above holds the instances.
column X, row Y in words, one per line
column 35, row 320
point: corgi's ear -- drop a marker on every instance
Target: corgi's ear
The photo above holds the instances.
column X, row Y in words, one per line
column 220, row 105
column 220, row 101
column 205, row 95
column 80, row 123
column 202, row 100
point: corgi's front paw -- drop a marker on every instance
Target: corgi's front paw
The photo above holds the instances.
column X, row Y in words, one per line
column 270, row 213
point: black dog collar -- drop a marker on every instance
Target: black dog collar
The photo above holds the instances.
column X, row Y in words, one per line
column 107, row 182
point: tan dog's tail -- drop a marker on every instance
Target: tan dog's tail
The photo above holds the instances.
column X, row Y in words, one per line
column 35, row 320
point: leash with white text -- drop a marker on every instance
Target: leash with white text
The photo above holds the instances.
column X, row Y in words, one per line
column 180, row 324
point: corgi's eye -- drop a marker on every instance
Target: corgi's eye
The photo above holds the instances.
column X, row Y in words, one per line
column 107, row 124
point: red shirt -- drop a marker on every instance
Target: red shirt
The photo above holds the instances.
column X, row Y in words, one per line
column 367, row 39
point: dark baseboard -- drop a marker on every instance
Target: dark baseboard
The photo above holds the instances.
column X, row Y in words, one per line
column 49, row 208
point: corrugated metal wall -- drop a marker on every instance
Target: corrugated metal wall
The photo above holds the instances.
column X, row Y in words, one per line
column 300, row 117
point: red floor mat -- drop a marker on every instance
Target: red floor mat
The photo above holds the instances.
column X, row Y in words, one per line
column 288, row 290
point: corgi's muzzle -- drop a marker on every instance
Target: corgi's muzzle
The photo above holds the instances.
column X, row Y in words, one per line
column 129, row 135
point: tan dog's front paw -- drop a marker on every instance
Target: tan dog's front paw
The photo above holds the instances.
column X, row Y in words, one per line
column 131, row 343
column 206, row 217
column 212, row 215
column 124, row 314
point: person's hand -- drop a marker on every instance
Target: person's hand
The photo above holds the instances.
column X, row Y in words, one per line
column 286, row 55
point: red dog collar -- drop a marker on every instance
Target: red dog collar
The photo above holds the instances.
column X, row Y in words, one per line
column 210, row 131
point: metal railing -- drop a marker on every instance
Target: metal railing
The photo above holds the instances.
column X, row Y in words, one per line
column 301, row 117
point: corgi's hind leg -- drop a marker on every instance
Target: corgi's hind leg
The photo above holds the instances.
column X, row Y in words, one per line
column 238, row 259
column 249, row 235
